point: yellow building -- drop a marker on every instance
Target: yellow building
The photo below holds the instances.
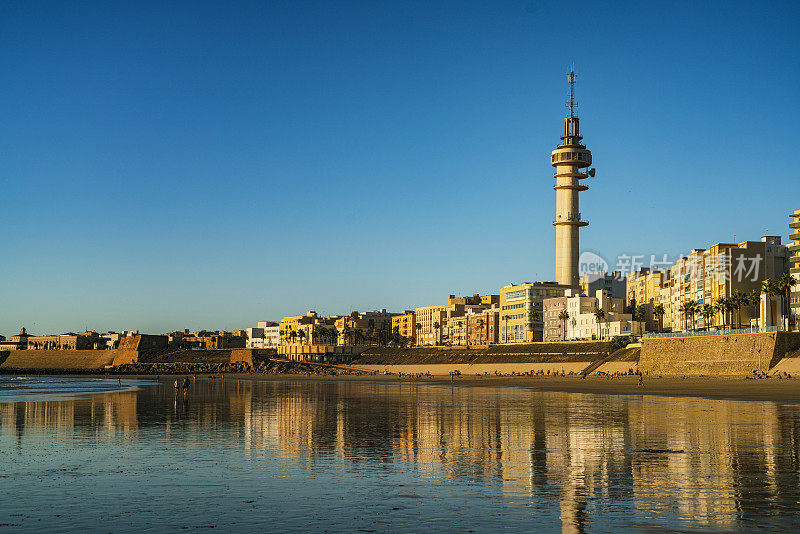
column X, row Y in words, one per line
column 431, row 322
column 429, row 317
column 474, row 300
column 521, row 311
column 643, row 287
column 406, row 325
column 372, row 327
column 704, row 276
column 794, row 270
column 210, row 340
column 290, row 329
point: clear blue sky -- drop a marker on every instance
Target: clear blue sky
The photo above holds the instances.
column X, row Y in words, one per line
column 211, row 164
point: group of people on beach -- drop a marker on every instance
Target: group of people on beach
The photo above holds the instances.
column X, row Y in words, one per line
column 760, row 376
column 414, row 376
column 541, row 372
column 620, row 374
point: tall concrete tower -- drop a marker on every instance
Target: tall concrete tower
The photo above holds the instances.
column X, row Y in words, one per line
column 569, row 159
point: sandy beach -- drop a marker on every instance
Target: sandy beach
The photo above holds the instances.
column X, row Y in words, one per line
column 741, row 388
column 720, row 387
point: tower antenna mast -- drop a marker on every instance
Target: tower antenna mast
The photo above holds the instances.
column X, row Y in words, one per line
column 571, row 77
column 570, row 158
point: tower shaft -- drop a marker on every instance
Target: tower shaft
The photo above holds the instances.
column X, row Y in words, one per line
column 569, row 160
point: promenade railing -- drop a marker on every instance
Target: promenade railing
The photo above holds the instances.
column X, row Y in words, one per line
column 718, row 332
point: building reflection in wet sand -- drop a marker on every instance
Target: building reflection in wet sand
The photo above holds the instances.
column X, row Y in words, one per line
column 571, row 457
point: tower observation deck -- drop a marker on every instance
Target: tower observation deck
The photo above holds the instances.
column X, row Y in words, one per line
column 569, row 160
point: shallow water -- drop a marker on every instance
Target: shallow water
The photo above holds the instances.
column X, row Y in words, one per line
column 359, row 456
column 24, row 388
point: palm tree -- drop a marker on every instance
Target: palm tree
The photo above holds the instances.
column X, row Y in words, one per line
column 383, row 337
column 481, row 324
column 460, row 325
column 707, row 312
column 739, row 299
column 335, row 335
column 533, row 316
column 418, row 328
column 640, row 312
column 371, row 335
column 564, row 317
column 599, row 314
column 437, row 327
column 695, row 307
column 686, row 310
column 752, row 299
column 658, row 312
column 319, row 334
column 785, row 284
column 771, row 288
column 505, row 334
column 723, row 306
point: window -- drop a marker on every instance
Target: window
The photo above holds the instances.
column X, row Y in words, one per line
column 515, row 295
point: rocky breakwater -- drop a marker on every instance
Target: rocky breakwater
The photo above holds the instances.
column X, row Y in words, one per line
column 178, row 368
column 263, row 367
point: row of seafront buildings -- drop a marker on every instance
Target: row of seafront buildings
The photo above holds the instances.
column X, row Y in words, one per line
column 518, row 313
column 726, row 282
column 92, row 340
column 603, row 306
column 69, row 341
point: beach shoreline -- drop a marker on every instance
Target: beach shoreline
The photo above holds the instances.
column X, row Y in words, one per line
column 712, row 387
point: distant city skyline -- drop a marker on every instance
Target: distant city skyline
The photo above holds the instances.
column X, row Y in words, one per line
column 201, row 166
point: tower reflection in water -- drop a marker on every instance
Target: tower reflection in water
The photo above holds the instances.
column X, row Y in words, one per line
column 697, row 461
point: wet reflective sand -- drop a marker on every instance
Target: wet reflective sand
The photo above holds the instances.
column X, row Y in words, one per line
column 297, row 455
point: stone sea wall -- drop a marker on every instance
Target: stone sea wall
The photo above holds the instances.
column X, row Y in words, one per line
column 58, row 359
column 732, row 354
column 522, row 353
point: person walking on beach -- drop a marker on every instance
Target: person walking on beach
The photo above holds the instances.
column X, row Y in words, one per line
column 185, row 388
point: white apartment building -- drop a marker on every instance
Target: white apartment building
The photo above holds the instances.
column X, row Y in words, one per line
column 265, row 336
column 428, row 317
column 582, row 322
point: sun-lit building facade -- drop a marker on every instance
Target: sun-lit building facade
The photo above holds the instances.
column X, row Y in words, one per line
column 794, row 270
column 521, row 311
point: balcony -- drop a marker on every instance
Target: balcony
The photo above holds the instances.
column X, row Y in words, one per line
column 571, row 219
column 795, row 236
column 794, row 224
